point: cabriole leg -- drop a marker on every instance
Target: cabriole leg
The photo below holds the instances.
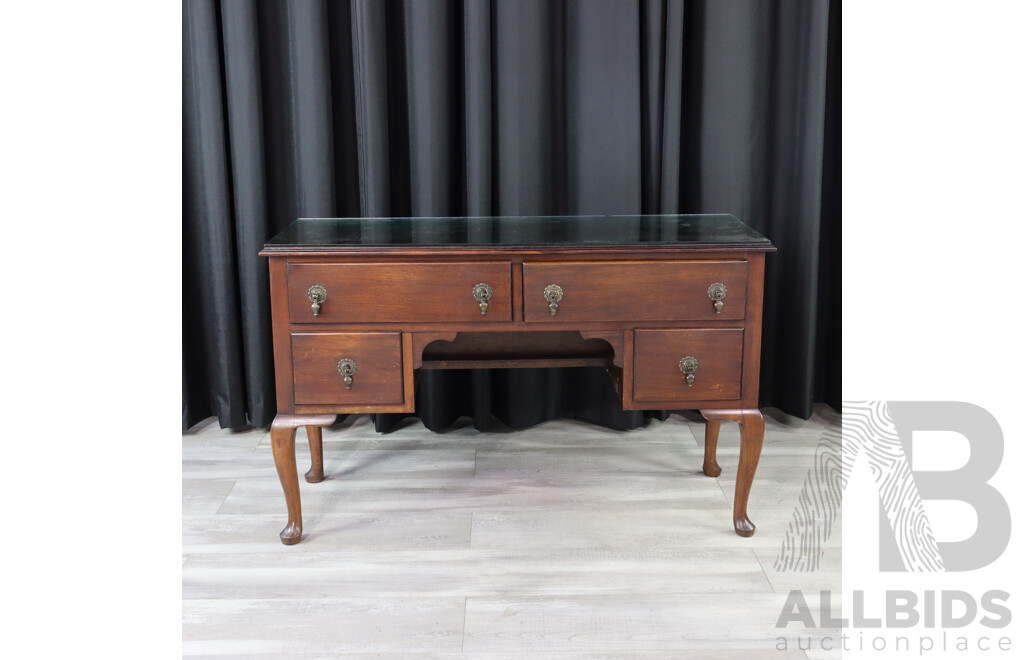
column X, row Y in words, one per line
column 282, row 442
column 711, row 467
column 751, row 438
column 316, row 454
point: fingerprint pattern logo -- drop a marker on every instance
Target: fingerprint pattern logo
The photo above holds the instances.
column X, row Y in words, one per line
column 817, row 509
column 867, row 428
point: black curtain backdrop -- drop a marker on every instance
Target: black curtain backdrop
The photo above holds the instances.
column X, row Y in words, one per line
column 309, row 108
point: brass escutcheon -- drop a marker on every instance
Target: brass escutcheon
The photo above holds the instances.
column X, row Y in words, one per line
column 717, row 293
column 688, row 365
column 553, row 294
column 347, row 368
column 317, row 294
column 482, row 293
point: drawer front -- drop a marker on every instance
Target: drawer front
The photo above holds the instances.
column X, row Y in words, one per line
column 376, row 356
column 385, row 292
column 719, row 364
column 634, row 290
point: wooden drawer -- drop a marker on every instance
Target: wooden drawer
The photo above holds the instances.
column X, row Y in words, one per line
column 657, row 354
column 409, row 292
column 634, row 290
column 378, row 368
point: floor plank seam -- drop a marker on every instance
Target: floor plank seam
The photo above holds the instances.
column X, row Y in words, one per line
column 225, row 498
column 763, row 572
column 465, row 609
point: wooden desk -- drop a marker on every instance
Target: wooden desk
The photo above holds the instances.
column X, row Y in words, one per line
column 670, row 305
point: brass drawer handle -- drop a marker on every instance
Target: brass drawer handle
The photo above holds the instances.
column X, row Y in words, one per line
column 482, row 293
column 688, row 365
column 317, row 294
column 717, row 293
column 347, row 368
column 553, row 294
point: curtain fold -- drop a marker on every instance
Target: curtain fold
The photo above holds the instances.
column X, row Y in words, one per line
column 451, row 107
column 213, row 363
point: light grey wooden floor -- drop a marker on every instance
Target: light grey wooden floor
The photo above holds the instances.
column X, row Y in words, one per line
column 561, row 541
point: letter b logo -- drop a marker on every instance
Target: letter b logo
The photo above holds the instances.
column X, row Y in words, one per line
column 966, row 484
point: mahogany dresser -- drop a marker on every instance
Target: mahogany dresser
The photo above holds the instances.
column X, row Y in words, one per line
column 670, row 305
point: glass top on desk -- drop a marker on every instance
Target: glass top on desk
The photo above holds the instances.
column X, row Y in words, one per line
column 520, row 231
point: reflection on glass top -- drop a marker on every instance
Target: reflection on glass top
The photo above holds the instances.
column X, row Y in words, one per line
column 520, row 231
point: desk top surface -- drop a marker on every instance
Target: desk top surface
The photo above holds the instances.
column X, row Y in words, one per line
column 519, row 232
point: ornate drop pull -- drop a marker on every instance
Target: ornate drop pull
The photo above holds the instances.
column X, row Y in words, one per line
column 717, row 293
column 688, row 365
column 317, row 294
column 553, row 294
column 347, row 368
column 482, row 293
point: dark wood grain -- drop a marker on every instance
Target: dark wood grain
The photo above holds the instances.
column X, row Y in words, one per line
column 634, row 290
column 519, row 363
column 282, row 444
column 656, row 373
column 421, row 339
column 711, row 466
column 517, row 350
column 752, row 331
column 396, row 292
column 517, row 292
column 500, row 345
column 751, row 438
column 634, row 310
column 629, row 351
column 282, row 339
column 408, row 379
column 350, row 408
column 378, row 359
column 315, row 474
column 614, row 339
